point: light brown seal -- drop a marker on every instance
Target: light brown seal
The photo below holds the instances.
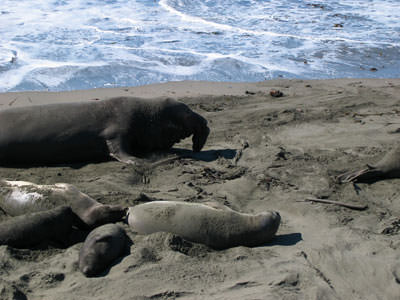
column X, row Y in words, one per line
column 21, row 197
column 216, row 227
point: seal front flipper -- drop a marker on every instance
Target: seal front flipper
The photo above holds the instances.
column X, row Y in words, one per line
column 140, row 164
column 387, row 167
column 116, row 152
column 364, row 175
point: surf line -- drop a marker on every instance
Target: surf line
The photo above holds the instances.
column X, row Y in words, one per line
column 193, row 19
column 188, row 18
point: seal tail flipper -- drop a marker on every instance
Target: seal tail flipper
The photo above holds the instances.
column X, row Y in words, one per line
column 364, row 175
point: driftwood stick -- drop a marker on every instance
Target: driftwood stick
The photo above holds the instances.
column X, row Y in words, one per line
column 348, row 205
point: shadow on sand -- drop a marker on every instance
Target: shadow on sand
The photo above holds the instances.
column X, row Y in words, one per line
column 207, row 155
column 289, row 239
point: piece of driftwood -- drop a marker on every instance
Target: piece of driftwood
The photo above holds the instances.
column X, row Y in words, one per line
column 347, row 205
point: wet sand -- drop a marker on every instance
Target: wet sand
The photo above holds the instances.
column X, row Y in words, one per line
column 263, row 153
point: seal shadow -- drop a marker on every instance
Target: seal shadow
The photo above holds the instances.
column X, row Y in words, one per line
column 206, row 155
column 289, row 239
column 72, row 165
column 371, row 179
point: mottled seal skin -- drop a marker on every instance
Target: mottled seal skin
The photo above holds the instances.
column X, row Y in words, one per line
column 32, row 229
column 120, row 128
column 102, row 246
column 387, row 167
column 21, row 197
column 213, row 226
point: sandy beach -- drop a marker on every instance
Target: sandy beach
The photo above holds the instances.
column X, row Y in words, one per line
column 263, row 153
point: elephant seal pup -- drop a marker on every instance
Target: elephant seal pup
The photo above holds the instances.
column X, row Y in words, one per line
column 21, row 197
column 215, row 227
column 32, row 229
column 387, row 167
column 120, row 128
column 102, row 246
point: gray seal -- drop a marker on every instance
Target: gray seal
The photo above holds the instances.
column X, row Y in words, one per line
column 21, row 197
column 102, row 246
column 121, row 128
column 387, row 167
column 32, row 229
column 219, row 228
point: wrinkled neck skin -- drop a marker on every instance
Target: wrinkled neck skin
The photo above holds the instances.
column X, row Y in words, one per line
column 136, row 123
column 156, row 125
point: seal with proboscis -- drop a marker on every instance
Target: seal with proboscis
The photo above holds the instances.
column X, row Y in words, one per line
column 122, row 128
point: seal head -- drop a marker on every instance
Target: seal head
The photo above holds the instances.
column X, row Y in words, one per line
column 102, row 246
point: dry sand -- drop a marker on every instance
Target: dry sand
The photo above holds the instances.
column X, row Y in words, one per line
column 263, row 153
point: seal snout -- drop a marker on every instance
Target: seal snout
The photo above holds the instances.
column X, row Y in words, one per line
column 87, row 271
column 200, row 137
column 276, row 218
column 270, row 222
column 276, row 214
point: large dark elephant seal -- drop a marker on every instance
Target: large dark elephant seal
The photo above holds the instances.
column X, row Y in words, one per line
column 216, row 227
column 33, row 229
column 21, row 197
column 95, row 131
column 102, row 246
column 387, row 167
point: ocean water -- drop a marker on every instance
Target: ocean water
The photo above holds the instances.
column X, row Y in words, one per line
column 79, row 44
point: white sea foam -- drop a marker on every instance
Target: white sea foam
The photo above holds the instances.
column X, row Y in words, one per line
column 224, row 27
column 75, row 44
